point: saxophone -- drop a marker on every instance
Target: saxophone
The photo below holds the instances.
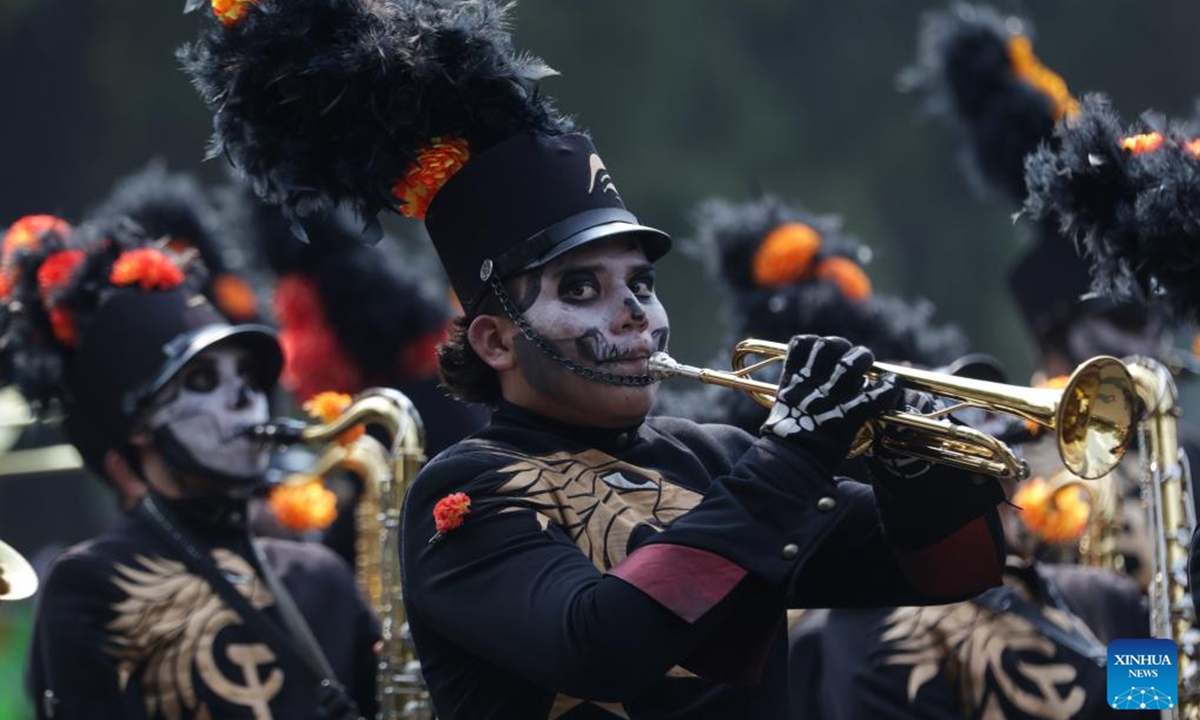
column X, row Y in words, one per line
column 1167, row 495
column 386, row 471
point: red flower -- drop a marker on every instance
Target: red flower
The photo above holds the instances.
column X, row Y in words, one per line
column 56, row 270
column 27, row 233
column 62, row 323
column 147, row 267
column 449, row 511
column 229, row 12
column 436, row 163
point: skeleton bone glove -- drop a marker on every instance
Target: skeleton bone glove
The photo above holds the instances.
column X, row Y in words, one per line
column 825, row 396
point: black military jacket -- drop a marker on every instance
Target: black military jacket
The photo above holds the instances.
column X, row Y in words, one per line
column 125, row 630
column 645, row 572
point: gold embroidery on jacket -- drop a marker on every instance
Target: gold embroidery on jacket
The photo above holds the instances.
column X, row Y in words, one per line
column 965, row 643
column 168, row 624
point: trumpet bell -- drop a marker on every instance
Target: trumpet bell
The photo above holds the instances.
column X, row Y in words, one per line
column 1096, row 416
column 17, row 578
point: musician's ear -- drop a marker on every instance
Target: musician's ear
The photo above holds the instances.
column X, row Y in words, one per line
column 130, row 486
column 493, row 338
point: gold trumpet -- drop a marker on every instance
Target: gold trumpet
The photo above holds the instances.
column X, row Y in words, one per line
column 1093, row 417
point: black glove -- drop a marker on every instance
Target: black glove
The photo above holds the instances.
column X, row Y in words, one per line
column 887, row 465
column 825, row 397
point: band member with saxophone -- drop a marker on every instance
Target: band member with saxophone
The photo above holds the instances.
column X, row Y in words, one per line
column 176, row 611
column 575, row 559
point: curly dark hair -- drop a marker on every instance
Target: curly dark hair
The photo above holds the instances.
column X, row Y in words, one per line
column 463, row 373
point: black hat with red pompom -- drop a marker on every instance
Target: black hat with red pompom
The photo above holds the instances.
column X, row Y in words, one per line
column 416, row 107
column 100, row 319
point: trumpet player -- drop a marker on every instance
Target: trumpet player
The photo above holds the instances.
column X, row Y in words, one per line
column 575, row 559
column 176, row 611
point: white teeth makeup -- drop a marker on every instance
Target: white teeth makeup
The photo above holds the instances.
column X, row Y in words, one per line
column 207, row 406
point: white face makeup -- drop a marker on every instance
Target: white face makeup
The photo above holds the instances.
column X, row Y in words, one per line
column 597, row 306
column 208, row 405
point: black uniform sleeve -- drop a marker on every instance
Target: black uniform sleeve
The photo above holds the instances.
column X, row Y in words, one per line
column 68, row 656
column 834, row 542
column 526, row 599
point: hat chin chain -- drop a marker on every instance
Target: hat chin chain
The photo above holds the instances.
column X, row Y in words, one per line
column 527, row 331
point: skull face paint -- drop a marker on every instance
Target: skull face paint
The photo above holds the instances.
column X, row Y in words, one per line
column 596, row 306
column 206, row 407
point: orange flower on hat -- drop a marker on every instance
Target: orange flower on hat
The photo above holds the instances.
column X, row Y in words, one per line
column 785, row 254
column 26, row 233
column 1029, row 68
column 435, row 164
column 234, row 296
column 847, row 275
column 147, row 267
column 229, row 12
column 1058, row 382
column 448, row 513
column 1193, row 148
column 304, row 505
column 328, row 407
column 1144, row 143
column 1055, row 516
column 8, row 281
column 56, row 270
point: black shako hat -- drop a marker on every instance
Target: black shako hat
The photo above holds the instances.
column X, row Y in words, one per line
column 421, row 108
column 523, row 203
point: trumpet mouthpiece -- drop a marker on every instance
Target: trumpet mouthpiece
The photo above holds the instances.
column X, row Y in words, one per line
column 661, row 366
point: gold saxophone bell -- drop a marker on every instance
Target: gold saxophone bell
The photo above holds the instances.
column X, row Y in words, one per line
column 1093, row 417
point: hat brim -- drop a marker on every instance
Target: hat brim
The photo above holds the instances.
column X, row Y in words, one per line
column 655, row 243
column 260, row 340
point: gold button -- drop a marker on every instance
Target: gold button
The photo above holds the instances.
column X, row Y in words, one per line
column 826, row 504
column 790, row 551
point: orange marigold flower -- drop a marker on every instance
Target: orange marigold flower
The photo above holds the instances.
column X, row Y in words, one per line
column 329, row 406
column 1193, row 147
column 230, row 12
column 147, row 267
column 62, row 323
column 449, row 511
column 56, row 270
column 785, row 254
column 8, row 281
column 1029, row 68
column 234, row 296
column 1055, row 516
column 27, row 233
column 435, row 164
column 304, row 505
column 1058, row 382
column 1144, row 143
column 847, row 275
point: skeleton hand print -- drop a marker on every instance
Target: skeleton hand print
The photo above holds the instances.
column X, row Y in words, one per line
column 825, row 396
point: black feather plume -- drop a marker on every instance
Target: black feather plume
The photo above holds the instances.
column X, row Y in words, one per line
column 1136, row 215
column 966, row 72
column 328, row 102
